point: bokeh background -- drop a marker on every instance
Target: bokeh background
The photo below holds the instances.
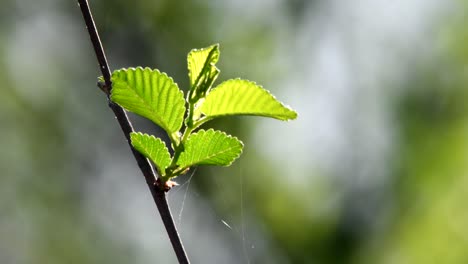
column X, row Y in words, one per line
column 374, row 170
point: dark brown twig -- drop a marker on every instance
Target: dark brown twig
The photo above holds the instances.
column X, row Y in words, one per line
column 157, row 191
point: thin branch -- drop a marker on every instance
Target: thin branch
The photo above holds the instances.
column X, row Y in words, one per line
column 157, row 191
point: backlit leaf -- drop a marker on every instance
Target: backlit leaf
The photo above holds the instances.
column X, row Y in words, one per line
column 151, row 94
column 153, row 148
column 210, row 147
column 242, row 97
column 202, row 69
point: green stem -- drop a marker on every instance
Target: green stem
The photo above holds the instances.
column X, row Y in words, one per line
column 179, row 147
column 189, row 119
column 201, row 121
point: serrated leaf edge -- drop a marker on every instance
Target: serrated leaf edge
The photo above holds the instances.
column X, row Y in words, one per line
column 211, row 130
column 152, row 112
column 256, row 84
column 214, row 46
column 160, row 169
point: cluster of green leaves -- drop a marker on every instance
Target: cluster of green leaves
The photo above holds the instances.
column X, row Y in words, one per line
column 154, row 95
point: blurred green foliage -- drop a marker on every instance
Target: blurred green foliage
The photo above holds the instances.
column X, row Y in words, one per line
column 56, row 130
column 430, row 167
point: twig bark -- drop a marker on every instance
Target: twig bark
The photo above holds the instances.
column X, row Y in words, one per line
column 157, row 191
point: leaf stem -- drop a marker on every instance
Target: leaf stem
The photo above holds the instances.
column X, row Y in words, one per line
column 190, row 125
column 201, row 121
column 158, row 193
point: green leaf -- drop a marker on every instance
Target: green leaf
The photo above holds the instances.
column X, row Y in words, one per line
column 242, row 97
column 210, row 147
column 202, row 69
column 151, row 94
column 153, row 148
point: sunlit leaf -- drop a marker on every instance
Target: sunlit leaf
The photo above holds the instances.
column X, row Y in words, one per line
column 153, row 148
column 151, row 94
column 242, row 97
column 210, row 147
column 202, row 69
